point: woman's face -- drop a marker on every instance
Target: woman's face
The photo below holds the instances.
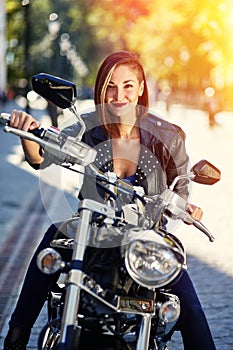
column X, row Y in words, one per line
column 123, row 90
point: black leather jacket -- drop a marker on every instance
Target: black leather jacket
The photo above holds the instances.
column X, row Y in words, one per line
column 163, row 155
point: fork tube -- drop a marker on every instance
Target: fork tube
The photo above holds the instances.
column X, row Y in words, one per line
column 144, row 333
column 69, row 317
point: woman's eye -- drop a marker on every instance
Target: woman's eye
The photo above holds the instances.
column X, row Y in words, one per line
column 128, row 86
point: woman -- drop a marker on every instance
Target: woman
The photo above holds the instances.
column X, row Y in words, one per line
column 140, row 148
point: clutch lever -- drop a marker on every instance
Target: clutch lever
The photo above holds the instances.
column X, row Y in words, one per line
column 200, row 226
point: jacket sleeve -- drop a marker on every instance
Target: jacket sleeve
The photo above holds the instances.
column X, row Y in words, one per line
column 178, row 163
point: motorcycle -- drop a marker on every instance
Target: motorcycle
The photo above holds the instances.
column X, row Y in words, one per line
column 114, row 289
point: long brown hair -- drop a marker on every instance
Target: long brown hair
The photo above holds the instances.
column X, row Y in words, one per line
column 104, row 76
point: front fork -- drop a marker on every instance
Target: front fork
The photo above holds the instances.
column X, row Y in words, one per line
column 70, row 330
column 144, row 332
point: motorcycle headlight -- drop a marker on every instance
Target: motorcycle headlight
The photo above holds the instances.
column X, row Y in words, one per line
column 152, row 264
column 49, row 261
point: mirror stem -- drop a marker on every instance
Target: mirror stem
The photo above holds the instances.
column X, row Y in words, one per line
column 189, row 176
column 81, row 122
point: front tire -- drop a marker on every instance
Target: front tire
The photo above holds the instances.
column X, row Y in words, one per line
column 49, row 336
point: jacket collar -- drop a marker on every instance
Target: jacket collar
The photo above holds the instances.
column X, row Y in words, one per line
column 149, row 130
column 99, row 133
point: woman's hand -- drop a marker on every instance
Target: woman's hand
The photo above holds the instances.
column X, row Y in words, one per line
column 195, row 212
column 23, row 121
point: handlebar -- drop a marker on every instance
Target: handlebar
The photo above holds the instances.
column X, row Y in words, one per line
column 76, row 152
column 70, row 151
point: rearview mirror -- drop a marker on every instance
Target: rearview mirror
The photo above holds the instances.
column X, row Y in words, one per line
column 205, row 173
column 60, row 92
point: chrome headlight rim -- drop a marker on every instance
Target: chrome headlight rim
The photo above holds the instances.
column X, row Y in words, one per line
column 173, row 254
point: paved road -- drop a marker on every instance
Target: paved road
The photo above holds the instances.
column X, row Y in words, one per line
column 210, row 264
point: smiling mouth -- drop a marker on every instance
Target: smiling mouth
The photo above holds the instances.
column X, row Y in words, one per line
column 119, row 104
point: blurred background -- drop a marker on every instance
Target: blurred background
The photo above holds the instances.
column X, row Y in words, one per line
column 186, row 46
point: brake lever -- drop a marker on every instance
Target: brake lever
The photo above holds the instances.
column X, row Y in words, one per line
column 70, row 152
column 25, row 134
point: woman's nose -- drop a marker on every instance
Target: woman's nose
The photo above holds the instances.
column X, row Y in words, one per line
column 119, row 95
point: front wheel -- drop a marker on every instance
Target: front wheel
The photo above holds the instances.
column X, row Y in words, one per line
column 49, row 336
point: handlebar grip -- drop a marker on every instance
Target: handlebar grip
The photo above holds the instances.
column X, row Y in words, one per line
column 5, row 120
column 39, row 132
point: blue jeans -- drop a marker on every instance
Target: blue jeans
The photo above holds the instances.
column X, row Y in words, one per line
column 192, row 322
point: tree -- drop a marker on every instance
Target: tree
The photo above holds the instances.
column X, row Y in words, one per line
column 185, row 43
column 18, row 27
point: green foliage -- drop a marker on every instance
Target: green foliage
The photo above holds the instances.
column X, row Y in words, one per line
column 22, row 24
column 188, row 44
